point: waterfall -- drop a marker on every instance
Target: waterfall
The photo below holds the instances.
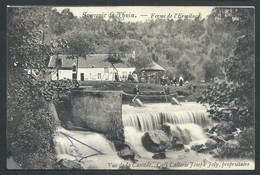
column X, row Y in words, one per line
column 133, row 139
column 153, row 120
column 188, row 133
column 79, row 144
column 185, row 122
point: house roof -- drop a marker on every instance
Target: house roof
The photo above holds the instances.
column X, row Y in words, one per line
column 153, row 67
column 92, row 60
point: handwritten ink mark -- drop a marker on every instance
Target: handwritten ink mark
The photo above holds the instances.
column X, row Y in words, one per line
column 88, row 156
column 79, row 156
column 68, row 136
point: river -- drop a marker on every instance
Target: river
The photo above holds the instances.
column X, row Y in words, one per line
column 188, row 118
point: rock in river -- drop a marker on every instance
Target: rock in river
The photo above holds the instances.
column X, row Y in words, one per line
column 159, row 156
column 156, row 141
column 69, row 164
column 200, row 148
column 126, row 153
column 177, row 146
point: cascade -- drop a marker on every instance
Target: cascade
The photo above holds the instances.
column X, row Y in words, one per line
column 153, row 120
column 185, row 121
column 79, row 144
column 188, row 133
column 152, row 116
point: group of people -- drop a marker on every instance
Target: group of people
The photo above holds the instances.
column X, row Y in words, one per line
column 132, row 77
column 174, row 81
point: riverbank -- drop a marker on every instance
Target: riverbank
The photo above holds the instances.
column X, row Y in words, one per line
column 190, row 91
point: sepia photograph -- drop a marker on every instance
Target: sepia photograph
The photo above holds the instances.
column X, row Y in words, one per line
column 130, row 88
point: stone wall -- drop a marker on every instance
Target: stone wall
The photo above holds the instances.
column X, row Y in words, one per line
column 98, row 110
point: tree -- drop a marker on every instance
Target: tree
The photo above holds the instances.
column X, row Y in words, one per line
column 172, row 55
column 142, row 57
column 114, row 55
column 30, row 126
column 237, row 91
column 196, row 28
column 115, row 28
column 79, row 44
column 184, row 68
column 212, row 69
column 60, row 22
column 118, row 49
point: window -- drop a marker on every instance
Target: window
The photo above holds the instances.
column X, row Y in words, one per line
column 124, row 74
column 74, row 76
column 74, row 68
column 58, row 63
column 99, row 76
column 82, row 76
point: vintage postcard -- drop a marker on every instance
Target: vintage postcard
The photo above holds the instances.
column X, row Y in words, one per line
column 131, row 87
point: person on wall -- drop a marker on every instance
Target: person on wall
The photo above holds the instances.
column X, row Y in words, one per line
column 166, row 89
column 136, row 91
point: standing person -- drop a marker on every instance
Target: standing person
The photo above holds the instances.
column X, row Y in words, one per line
column 166, row 89
column 142, row 78
column 116, row 77
column 135, row 78
column 130, row 77
column 181, row 80
column 136, row 91
column 163, row 79
column 174, row 80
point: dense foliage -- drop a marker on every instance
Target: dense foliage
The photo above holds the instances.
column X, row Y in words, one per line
column 30, row 125
column 194, row 48
column 236, row 92
column 232, row 99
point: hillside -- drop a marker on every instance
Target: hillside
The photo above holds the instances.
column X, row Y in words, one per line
column 194, row 48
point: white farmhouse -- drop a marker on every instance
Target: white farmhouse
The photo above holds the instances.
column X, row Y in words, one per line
column 93, row 67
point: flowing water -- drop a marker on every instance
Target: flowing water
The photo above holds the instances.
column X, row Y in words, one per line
column 152, row 116
column 94, row 151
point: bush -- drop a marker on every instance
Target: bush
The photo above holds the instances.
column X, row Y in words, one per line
column 246, row 140
column 228, row 151
column 244, row 149
column 30, row 126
